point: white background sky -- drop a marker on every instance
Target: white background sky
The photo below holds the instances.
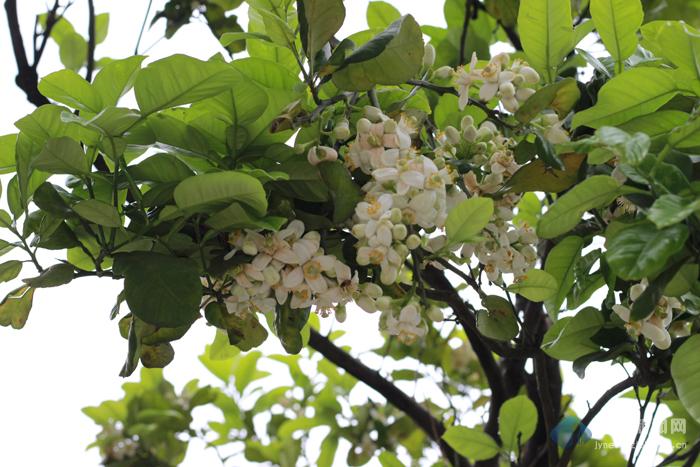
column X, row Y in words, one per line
column 69, row 354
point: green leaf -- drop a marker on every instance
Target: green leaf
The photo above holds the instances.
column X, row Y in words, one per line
column 178, row 80
column 9, row 270
column 560, row 96
column 560, row 264
column 381, row 14
column 642, row 250
column 683, row 281
column 98, row 212
column 15, row 307
column 161, row 168
column 58, row 274
column 288, row 325
column 319, row 20
column 538, row 176
column 161, row 290
column 243, row 329
column 157, row 356
column 547, row 34
column 617, row 22
column 685, row 370
column 570, row 338
column 471, row 443
column 73, row 51
column 392, row 57
column 236, row 216
column 329, row 446
column 536, row 286
column 498, row 320
column 671, row 209
column 67, row 87
column 62, row 156
column 116, row 78
column 344, row 191
column 517, row 420
column 220, row 188
column 101, row 27
column 566, row 212
column 468, row 218
column 231, row 37
column 386, row 458
column 636, row 92
column 686, row 136
column 677, row 42
column 7, row 153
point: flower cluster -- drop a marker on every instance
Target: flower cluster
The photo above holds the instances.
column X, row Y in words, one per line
column 507, row 248
column 406, row 190
column 499, row 78
column 655, row 326
column 289, row 265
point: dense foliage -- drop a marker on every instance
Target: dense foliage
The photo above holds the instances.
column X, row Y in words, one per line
column 500, row 212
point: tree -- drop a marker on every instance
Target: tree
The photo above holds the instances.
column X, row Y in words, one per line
column 483, row 203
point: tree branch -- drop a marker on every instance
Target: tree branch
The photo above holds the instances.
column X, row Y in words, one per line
column 91, row 41
column 27, row 78
column 590, row 415
column 424, row 419
column 465, row 28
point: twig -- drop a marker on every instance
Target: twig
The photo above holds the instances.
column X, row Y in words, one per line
column 424, row 419
column 549, row 410
column 590, row 415
column 640, row 427
column 465, row 28
column 91, row 41
column 143, row 27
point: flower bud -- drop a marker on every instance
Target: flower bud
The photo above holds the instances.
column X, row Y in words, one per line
column 372, row 290
column 396, row 215
column 435, row 314
column 271, row 275
column 363, row 125
column 358, row 230
column 413, row 241
column 388, row 275
column 452, row 135
column 510, row 104
column 383, row 303
column 481, row 148
column 444, row 72
column 373, row 113
column 399, row 232
column 530, row 75
column 428, row 55
column 467, row 121
column 318, row 154
column 401, row 250
column 469, row 133
column 367, row 304
column 390, row 126
column 249, row 248
column 439, row 162
column 523, row 94
column 341, row 130
column 507, row 89
column 340, row 313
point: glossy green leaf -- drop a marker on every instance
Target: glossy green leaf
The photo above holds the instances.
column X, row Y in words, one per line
column 116, row 78
column 15, row 307
column 98, row 212
column 636, row 92
column 642, row 250
column 566, row 212
column 178, row 80
column 560, row 264
column 101, row 27
column 319, row 21
column 9, row 270
column 67, row 87
column 161, row 168
column 498, row 320
column 344, row 191
column 538, row 176
column 220, row 189
column 468, row 218
column 62, row 156
column 676, row 41
column 683, row 281
column 381, row 14
column 237, row 216
column 570, row 338
column 547, row 34
column 392, row 57
column 288, row 325
column 671, row 209
column 73, row 50
column 471, row 443
column 617, row 22
column 58, row 274
column 560, row 96
column 685, row 370
column 536, row 286
column 160, row 289
column 517, row 420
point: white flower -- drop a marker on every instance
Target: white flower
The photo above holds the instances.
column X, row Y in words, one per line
column 408, row 327
column 463, row 80
column 318, row 154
